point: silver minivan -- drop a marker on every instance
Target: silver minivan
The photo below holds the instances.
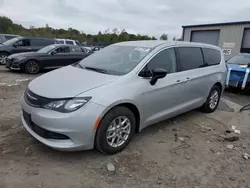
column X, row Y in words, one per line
column 104, row 99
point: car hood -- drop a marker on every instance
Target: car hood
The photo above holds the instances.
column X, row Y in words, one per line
column 24, row 54
column 68, row 82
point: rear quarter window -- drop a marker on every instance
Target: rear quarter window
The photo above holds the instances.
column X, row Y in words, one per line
column 190, row 58
column 211, row 56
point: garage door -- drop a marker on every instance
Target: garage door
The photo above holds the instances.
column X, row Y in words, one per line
column 208, row 37
column 246, row 39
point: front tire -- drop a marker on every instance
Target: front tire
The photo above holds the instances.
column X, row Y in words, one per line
column 32, row 67
column 3, row 55
column 115, row 130
column 213, row 100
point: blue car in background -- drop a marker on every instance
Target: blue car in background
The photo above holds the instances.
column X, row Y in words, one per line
column 238, row 71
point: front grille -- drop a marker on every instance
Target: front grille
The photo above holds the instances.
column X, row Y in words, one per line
column 40, row 131
column 7, row 62
column 35, row 100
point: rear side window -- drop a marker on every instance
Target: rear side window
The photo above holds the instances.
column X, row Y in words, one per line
column 69, row 42
column 211, row 56
column 41, row 42
column 190, row 58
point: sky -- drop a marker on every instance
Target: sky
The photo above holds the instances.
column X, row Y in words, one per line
column 150, row 17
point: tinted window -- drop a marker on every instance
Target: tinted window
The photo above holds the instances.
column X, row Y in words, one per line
column 76, row 49
column 164, row 59
column 190, row 58
column 41, row 42
column 25, row 42
column 211, row 57
column 60, row 42
column 69, row 42
column 62, row 50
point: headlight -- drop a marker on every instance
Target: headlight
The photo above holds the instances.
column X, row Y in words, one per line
column 20, row 58
column 66, row 106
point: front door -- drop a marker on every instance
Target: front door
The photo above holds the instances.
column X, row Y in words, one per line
column 167, row 96
column 22, row 46
column 58, row 59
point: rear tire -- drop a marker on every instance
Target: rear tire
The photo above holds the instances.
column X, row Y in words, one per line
column 213, row 100
column 32, row 67
column 3, row 55
column 115, row 130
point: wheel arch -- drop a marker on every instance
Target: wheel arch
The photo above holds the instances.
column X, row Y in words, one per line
column 131, row 106
column 6, row 52
column 219, row 85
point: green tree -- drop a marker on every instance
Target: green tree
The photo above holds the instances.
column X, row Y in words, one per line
column 164, row 36
column 105, row 38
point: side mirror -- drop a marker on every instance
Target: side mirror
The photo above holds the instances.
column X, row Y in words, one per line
column 14, row 45
column 53, row 53
column 158, row 73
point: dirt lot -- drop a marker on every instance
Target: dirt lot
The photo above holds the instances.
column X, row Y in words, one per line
column 188, row 151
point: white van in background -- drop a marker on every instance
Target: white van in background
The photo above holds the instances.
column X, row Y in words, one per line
column 68, row 41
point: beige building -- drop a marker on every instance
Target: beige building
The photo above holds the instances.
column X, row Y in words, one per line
column 232, row 37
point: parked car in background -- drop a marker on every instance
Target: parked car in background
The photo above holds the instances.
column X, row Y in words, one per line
column 49, row 57
column 105, row 98
column 239, row 71
column 22, row 44
column 68, row 41
column 5, row 37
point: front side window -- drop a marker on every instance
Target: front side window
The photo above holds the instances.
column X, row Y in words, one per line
column 46, row 49
column 25, row 42
column 115, row 59
column 69, row 42
column 64, row 49
column 60, row 42
column 190, row 58
column 76, row 49
column 165, row 60
column 211, row 56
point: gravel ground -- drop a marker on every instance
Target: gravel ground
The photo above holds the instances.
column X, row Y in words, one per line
column 188, row 151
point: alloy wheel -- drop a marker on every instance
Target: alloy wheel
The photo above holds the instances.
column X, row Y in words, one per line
column 118, row 131
column 213, row 100
column 32, row 67
column 2, row 59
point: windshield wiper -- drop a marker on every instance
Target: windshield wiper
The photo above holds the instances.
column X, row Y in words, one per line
column 78, row 65
column 97, row 70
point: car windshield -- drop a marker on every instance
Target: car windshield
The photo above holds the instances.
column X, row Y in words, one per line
column 46, row 49
column 116, row 60
column 11, row 41
column 240, row 60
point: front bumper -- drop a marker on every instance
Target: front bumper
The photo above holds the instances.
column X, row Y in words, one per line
column 13, row 64
column 77, row 126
